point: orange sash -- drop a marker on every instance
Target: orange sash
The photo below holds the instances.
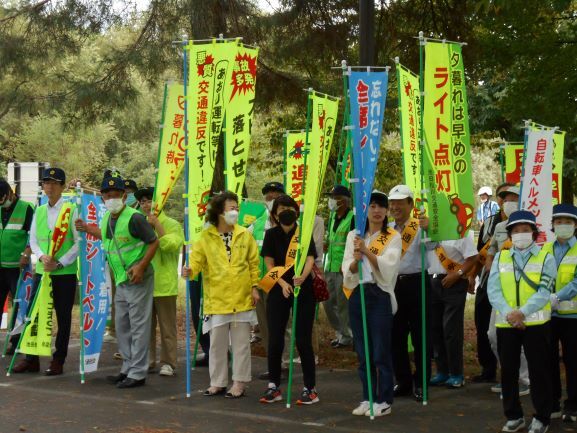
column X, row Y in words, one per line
column 274, row 275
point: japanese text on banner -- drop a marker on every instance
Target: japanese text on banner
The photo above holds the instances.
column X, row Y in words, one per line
column 295, row 151
column 447, row 153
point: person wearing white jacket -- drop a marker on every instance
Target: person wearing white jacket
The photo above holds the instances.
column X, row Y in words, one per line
column 379, row 251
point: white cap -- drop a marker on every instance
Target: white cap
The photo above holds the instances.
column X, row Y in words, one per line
column 485, row 190
column 400, row 192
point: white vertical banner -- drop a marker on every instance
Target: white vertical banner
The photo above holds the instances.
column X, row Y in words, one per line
column 537, row 188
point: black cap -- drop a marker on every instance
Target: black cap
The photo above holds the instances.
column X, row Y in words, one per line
column 4, row 188
column 147, row 192
column 340, row 190
column 129, row 183
column 54, row 174
column 112, row 180
column 379, row 198
column 272, row 186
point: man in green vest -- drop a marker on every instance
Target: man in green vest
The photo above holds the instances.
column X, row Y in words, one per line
column 564, row 306
column 15, row 219
column 519, row 289
column 165, row 262
column 130, row 244
column 336, row 307
column 62, row 267
column 270, row 191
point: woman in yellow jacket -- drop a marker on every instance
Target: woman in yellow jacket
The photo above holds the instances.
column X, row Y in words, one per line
column 227, row 256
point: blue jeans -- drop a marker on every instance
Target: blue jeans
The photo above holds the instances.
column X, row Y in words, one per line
column 379, row 327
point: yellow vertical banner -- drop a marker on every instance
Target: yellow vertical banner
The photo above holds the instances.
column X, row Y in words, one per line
column 171, row 148
column 513, row 162
column 324, row 111
column 239, row 117
column 410, row 121
column 295, row 151
column 209, row 86
column 37, row 338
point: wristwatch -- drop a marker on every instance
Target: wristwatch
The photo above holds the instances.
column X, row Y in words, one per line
column 59, row 265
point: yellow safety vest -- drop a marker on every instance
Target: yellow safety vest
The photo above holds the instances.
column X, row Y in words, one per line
column 518, row 292
column 565, row 274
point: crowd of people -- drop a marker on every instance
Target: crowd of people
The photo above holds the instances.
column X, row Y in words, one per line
column 525, row 294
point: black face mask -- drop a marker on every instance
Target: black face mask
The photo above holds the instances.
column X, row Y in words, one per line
column 287, row 217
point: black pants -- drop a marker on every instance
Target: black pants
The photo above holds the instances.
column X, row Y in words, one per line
column 485, row 355
column 195, row 289
column 277, row 311
column 536, row 340
column 63, row 294
column 408, row 320
column 448, row 321
column 564, row 331
column 8, row 284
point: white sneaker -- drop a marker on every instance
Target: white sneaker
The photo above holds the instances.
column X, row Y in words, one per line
column 537, row 427
column 514, row 425
column 379, row 409
column 109, row 338
column 166, row 370
column 362, row 408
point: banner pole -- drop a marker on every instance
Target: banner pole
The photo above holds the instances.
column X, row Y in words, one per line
column 13, row 314
column 284, row 157
column 424, row 348
column 81, row 250
column 502, row 161
column 186, row 210
column 525, row 142
column 297, row 289
column 161, row 133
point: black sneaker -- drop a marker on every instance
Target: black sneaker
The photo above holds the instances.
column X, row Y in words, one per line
column 271, row 395
column 569, row 416
column 308, row 396
column 484, row 378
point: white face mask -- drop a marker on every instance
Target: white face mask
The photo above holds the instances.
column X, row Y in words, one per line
column 522, row 240
column 564, row 231
column 509, row 207
column 269, row 204
column 231, row 217
column 114, row 205
column 332, row 204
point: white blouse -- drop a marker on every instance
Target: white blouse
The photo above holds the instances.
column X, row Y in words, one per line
column 388, row 266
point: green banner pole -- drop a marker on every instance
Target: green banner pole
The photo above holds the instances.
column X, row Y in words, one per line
column 424, row 348
column 502, row 161
column 297, row 289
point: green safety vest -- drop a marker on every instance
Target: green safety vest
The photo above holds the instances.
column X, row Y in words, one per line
column 13, row 237
column 517, row 293
column 258, row 234
column 123, row 250
column 565, row 274
column 337, row 241
column 44, row 235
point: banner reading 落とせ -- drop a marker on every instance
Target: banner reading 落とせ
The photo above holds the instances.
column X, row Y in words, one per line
column 536, row 189
column 447, row 152
column 239, row 117
column 209, row 86
column 410, row 119
column 368, row 91
column 294, row 157
column 171, row 148
column 324, row 110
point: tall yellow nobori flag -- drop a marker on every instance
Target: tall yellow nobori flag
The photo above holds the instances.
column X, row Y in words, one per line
column 209, row 86
column 171, row 147
column 238, row 116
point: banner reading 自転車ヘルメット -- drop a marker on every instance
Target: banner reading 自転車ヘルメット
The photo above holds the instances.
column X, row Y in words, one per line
column 447, row 152
column 324, row 111
column 536, row 188
column 209, row 86
column 410, row 120
column 239, row 117
column 295, row 151
column 367, row 92
column 171, row 148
